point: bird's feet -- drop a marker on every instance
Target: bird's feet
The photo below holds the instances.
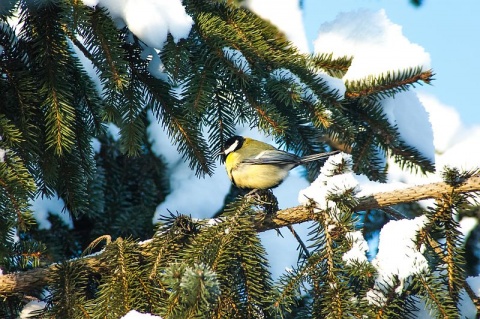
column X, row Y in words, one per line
column 264, row 198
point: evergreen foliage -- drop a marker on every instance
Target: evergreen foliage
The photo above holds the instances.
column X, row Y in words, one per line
column 234, row 68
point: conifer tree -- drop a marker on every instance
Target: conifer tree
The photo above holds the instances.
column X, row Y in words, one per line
column 55, row 140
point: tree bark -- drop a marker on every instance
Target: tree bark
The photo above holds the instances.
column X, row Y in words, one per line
column 300, row 214
column 38, row 277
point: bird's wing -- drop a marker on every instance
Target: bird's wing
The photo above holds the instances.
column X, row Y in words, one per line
column 273, row 157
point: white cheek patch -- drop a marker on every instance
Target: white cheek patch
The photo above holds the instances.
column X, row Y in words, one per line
column 231, row 148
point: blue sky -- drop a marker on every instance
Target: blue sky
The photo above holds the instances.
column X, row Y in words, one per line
column 448, row 30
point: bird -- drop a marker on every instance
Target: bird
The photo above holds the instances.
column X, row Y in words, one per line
column 256, row 165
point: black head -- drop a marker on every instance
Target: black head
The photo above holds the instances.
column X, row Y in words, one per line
column 233, row 144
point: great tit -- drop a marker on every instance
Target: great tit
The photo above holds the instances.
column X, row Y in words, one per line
column 252, row 164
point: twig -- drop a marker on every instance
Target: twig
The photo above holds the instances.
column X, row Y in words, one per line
column 300, row 241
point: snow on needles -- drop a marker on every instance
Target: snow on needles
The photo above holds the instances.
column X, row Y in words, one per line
column 398, row 255
column 43, row 207
column 133, row 314
column 331, row 182
column 286, row 15
column 412, row 120
column 358, row 250
column 237, row 58
column 378, row 46
column 150, row 20
column 200, row 197
column 31, row 309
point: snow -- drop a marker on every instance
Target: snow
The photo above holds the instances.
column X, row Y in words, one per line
column 358, row 250
column 114, row 131
column 155, row 66
column 87, row 64
column 29, row 308
column 3, row 152
column 333, row 83
column 150, row 20
column 282, row 249
column 189, row 194
column 378, row 46
column 96, row 145
column 466, row 306
column 328, row 184
column 452, row 141
column 446, row 123
column 465, row 154
column 474, row 283
column 90, row 3
column 407, row 113
column 286, row 15
column 422, row 312
column 237, row 58
column 161, row 142
column 15, row 238
column 368, row 187
column 467, row 224
column 42, row 206
column 373, row 244
column 398, row 255
column 133, row 314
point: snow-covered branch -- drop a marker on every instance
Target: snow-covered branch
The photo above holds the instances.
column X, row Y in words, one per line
column 38, row 277
column 300, row 214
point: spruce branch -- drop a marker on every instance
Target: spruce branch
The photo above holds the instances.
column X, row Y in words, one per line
column 336, row 67
column 22, row 281
column 182, row 129
column 50, row 52
column 389, row 84
column 436, row 297
column 102, row 45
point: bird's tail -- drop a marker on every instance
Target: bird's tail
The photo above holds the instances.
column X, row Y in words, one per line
column 317, row 157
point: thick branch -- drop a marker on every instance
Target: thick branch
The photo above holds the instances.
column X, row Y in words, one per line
column 21, row 282
column 300, row 214
column 38, row 277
